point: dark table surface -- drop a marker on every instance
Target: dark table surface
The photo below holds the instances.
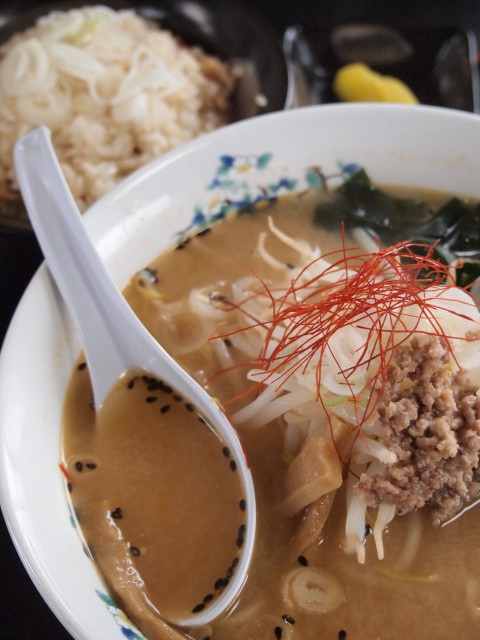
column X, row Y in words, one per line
column 23, row 613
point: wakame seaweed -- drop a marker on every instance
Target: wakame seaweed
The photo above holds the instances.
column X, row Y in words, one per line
column 455, row 226
column 359, row 203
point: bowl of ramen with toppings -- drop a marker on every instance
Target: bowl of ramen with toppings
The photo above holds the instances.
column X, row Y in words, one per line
column 318, row 272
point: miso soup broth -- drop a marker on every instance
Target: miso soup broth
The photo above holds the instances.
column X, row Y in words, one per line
column 302, row 584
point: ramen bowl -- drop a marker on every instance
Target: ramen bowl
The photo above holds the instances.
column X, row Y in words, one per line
column 149, row 212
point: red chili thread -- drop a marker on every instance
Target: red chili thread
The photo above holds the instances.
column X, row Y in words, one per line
column 66, row 474
column 374, row 291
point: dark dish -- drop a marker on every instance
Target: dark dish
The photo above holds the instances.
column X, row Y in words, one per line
column 438, row 64
column 237, row 37
column 230, row 30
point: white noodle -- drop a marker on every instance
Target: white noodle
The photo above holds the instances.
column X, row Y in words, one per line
column 385, row 514
column 374, row 449
column 355, row 522
column 355, row 527
column 412, row 542
column 201, row 302
column 277, row 407
column 226, row 361
column 256, row 405
column 249, row 344
column 295, row 435
column 365, row 240
column 266, row 257
column 302, row 247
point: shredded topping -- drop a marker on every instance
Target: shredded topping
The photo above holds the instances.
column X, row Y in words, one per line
column 116, row 90
column 331, row 340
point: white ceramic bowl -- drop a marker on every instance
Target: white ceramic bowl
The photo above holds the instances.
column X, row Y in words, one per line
column 418, row 146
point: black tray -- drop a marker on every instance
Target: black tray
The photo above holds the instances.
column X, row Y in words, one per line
column 440, row 65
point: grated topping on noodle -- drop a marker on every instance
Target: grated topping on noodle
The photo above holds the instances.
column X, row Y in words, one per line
column 331, row 337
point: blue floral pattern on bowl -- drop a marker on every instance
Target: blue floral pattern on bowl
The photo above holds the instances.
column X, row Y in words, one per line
column 127, row 627
column 237, row 186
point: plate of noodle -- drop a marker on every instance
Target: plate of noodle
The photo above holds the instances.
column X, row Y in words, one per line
column 119, row 85
column 318, row 271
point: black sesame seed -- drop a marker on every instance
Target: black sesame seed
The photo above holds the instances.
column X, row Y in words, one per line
column 204, row 231
column 242, row 504
column 240, row 541
column 226, row 452
column 79, row 466
column 135, row 550
column 131, row 384
column 227, row 342
column 288, row 619
column 235, row 562
column 153, row 386
column 150, row 399
column 167, row 388
column 303, row 561
column 165, row 408
column 208, row 598
column 183, row 243
column 177, row 397
column 278, row 632
column 190, row 407
column 368, row 529
column 229, row 572
column 342, row 634
column 82, row 366
column 289, row 265
column 241, row 529
column 91, row 465
column 117, row 513
column 221, row 583
column 199, row 607
column 233, row 465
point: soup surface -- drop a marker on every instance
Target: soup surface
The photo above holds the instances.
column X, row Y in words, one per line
column 186, row 463
column 427, row 586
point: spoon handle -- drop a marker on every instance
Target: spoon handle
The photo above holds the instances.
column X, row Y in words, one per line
column 113, row 338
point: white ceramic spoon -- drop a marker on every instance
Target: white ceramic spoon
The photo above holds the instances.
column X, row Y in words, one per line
column 113, row 338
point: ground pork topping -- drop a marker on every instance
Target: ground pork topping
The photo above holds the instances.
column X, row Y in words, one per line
column 429, row 413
